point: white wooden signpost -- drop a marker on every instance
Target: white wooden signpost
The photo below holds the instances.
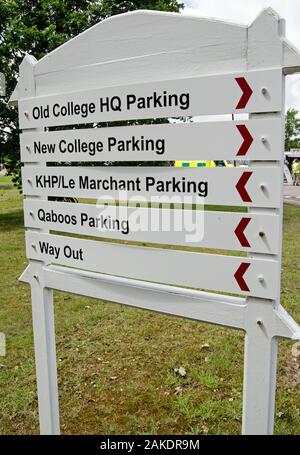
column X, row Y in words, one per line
column 190, row 67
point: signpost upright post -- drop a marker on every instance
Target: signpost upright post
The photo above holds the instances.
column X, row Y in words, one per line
column 41, row 300
column 260, row 346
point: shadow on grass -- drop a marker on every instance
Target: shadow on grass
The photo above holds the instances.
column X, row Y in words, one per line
column 12, row 220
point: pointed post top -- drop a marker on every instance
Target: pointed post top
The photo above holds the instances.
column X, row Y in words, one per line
column 26, row 68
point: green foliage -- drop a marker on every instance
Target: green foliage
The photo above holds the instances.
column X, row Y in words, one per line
column 112, row 7
column 37, row 27
column 292, row 129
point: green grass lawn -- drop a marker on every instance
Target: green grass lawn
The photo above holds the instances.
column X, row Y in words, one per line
column 5, row 182
column 116, row 364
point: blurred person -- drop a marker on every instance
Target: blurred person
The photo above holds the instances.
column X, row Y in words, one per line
column 296, row 172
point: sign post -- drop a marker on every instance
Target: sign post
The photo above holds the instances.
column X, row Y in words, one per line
column 159, row 85
column 42, row 303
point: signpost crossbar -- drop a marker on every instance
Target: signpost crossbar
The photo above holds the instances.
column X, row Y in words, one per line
column 209, row 307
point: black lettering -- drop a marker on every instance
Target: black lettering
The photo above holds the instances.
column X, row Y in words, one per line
column 131, row 99
column 115, row 104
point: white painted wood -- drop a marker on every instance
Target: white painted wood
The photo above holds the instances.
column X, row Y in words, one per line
column 42, row 308
column 27, row 277
column 265, row 48
column 260, row 361
column 291, row 58
column 181, row 141
column 228, row 311
column 139, row 34
column 26, row 84
column 173, row 266
column 286, row 326
column 260, row 354
column 204, row 95
column 260, row 369
column 210, row 229
column 45, row 353
column 163, row 46
column 213, row 185
column 203, row 306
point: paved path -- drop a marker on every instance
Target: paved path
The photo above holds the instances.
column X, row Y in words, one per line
column 292, row 195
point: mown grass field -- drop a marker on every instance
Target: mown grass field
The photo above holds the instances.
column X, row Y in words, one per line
column 116, row 364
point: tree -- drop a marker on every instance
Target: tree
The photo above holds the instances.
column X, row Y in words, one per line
column 292, row 129
column 37, row 27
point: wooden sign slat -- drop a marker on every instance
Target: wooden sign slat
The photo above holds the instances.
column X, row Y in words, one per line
column 219, row 230
column 248, row 140
column 230, row 186
column 231, row 274
column 254, row 91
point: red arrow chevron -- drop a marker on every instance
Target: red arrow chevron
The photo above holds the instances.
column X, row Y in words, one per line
column 240, row 186
column 248, row 139
column 239, row 231
column 247, row 92
column 239, row 276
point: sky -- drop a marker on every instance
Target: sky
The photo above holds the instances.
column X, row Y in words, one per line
column 244, row 12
